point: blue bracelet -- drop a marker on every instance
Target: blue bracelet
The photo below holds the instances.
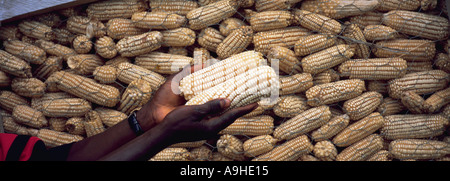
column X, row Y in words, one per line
column 134, row 124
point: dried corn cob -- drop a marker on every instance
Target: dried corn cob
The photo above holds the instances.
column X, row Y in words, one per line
column 13, row 65
column 28, row 87
column 10, row 126
column 211, row 14
column 200, row 80
column 163, row 63
column 118, row 28
column 105, row 74
column 361, row 150
column 418, row 82
column 368, row 18
column 85, row 25
column 333, row 92
column 377, row 86
column 5, row 80
column 326, row 76
column 302, row 123
column 128, row 72
column 361, row 106
column 210, row 38
column 110, row 117
column 331, row 128
column 179, row 37
column 180, row 7
column 355, row 38
column 84, row 64
column 285, row 37
column 388, row 5
column 231, row 147
column 437, row 100
column 206, row 2
column 325, row 59
column 295, row 83
column 11, row 32
column 37, row 103
column 317, row 22
column 135, row 95
column 56, row 49
column 93, row 124
column 408, row 49
column 270, row 20
column 236, row 42
column 25, row 51
column 26, row 115
column 105, row 47
column 413, row 102
column 253, row 126
column 390, row 106
column 82, row 44
column 157, row 20
column 374, row 68
column 230, row 24
column 172, row 154
column 36, row 30
column 9, row 100
column 85, row 88
column 307, row 157
column 418, row 24
column 75, row 126
column 57, row 124
column 67, row 107
column 139, row 44
column 258, row 145
column 50, row 19
column 380, row 32
column 442, row 62
column 55, row 138
column 202, row 153
column 200, row 55
column 180, row 51
column 289, row 106
column 402, row 126
column 287, row 60
column 404, row 149
column 110, row 9
column 272, row 5
column 359, row 130
column 50, row 65
column 288, row 151
column 313, row 43
column 117, row 60
column 382, row 155
column 338, row 9
column 263, row 106
column 63, row 36
column 325, row 151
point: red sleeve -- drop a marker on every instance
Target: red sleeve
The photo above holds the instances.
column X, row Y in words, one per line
column 6, row 140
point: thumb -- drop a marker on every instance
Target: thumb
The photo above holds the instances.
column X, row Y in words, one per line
column 210, row 107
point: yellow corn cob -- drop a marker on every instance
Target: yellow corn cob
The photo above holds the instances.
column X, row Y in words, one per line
column 387, row 5
column 289, row 106
column 253, row 126
column 359, row 130
column 361, row 150
column 231, row 147
column 13, row 65
column 68, row 107
column 118, row 28
column 374, row 68
column 437, row 100
column 57, row 124
column 325, row 59
column 258, row 145
column 179, row 51
column 402, row 126
column 333, row 92
column 230, row 24
column 26, row 115
column 9, row 100
column 211, row 14
column 325, row 151
column 317, row 22
column 202, row 153
column 49, row 66
column 5, row 80
column 413, row 102
column 408, row 49
column 302, row 123
column 272, row 5
column 36, row 30
column 201, row 80
column 285, row 37
column 172, row 154
column 295, row 83
column 368, row 18
column 93, row 124
column 85, row 25
column 163, row 63
column 361, row 106
column 390, row 106
column 105, row 74
column 63, row 36
column 338, row 9
column 442, row 62
column 55, row 49
column 84, row 64
column 109, row 9
column 380, row 32
column 288, row 151
column 418, row 24
column 85, row 88
column 110, row 117
column 157, row 20
column 9, row 32
column 10, row 126
column 270, row 20
column 419, row 82
column 75, row 126
column 355, row 37
column 179, row 37
column 55, row 138
column 25, row 51
column 82, row 44
column 287, row 60
column 139, row 44
column 180, row 7
column 382, row 155
column 377, row 86
column 210, row 38
column 28, row 87
column 331, row 128
column 313, row 43
column 236, row 42
column 135, row 95
column 106, row 47
column 128, row 72
column 190, row 144
column 326, row 76
column 404, row 149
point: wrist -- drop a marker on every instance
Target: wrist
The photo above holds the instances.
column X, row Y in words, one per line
column 145, row 119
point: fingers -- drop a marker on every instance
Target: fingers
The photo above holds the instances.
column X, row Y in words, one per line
column 230, row 116
column 210, row 107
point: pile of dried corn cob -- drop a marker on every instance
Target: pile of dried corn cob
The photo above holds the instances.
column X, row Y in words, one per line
column 359, row 80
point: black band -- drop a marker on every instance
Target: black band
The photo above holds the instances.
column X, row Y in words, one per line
column 134, row 124
column 16, row 148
